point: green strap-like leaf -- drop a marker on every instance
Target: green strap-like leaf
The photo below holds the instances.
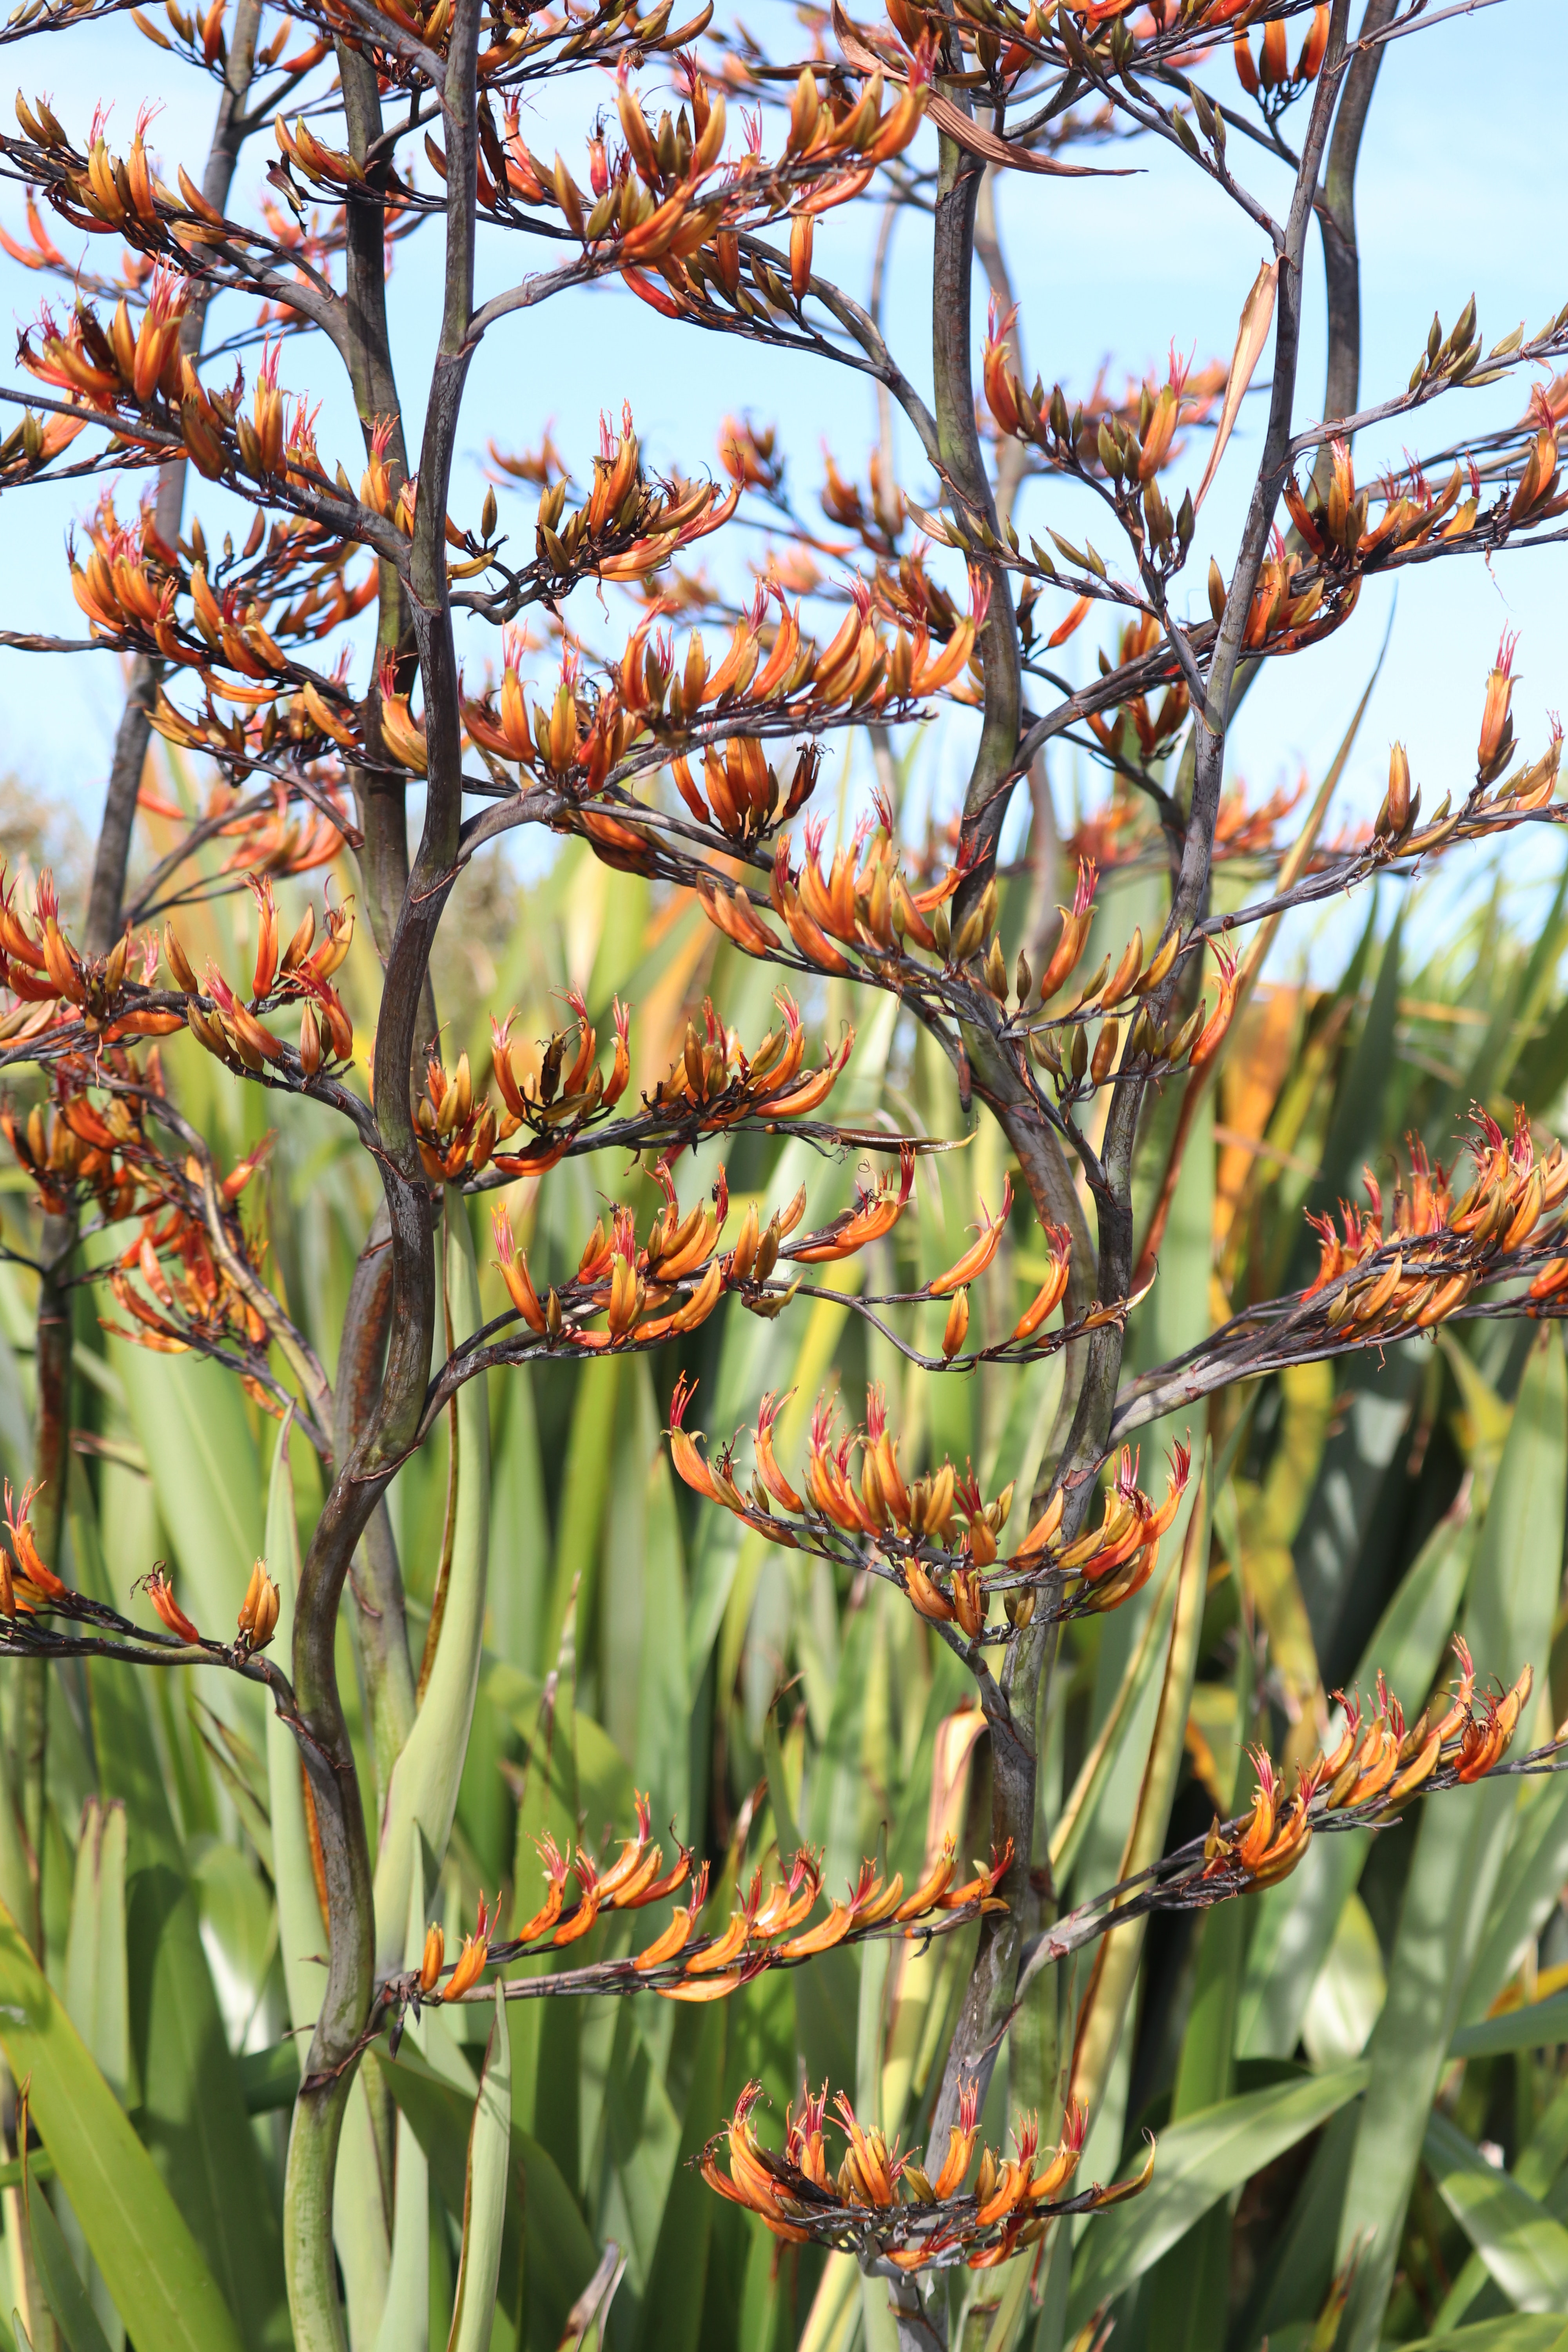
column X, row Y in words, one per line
column 1294, row 1923
column 1522, row 2247
column 191, row 1419
column 484, row 2199
column 1536, row 2027
column 1513, row 2334
column 1460, row 1842
column 672, row 2297
column 63, row 2291
column 1528, row 1883
column 301, row 1933
column 423, row 1795
column 561, row 2257
column 1198, row 2162
column 191, row 2114
column 1116, row 1966
column 405, row 2313
column 97, row 1998
column 162, row 2287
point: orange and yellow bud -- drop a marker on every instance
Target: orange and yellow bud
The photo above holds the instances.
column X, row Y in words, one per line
column 258, row 1610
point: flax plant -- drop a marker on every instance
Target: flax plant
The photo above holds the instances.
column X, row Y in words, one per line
column 1099, row 1789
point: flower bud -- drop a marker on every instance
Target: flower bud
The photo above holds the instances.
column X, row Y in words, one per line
column 435, row 1957
column 800, row 241
column 1274, row 65
column 1395, row 814
column 179, row 963
column 1496, row 745
column 1315, row 45
column 957, row 1327
column 968, row 936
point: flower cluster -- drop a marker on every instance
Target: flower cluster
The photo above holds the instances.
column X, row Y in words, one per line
column 53, row 983
column 286, row 586
column 30, row 1590
column 657, row 202
column 1375, row 1765
column 257, row 1623
column 771, row 1926
column 295, row 972
column 636, row 1285
column 771, row 678
column 189, row 1276
column 1436, row 1248
column 882, row 2206
column 936, row 1537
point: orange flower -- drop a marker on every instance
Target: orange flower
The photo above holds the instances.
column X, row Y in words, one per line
column 160, row 1592
column 978, row 1257
column 1496, row 746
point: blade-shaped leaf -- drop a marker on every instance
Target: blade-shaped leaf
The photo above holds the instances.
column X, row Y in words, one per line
column 1196, row 2163
column 484, row 2198
column 1513, row 2334
column 1522, row 2247
column 672, row 2300
column 405, row 2313
column 67, row 2297
column 543, row 2216
column 1460, row 1844
column 1535, row 2027
column 97, row 1995
column 193, row 2114
column 1116, row 1968
column 1294, row 1923
column 423, row 1795
column 162, row 2289
column 190, row 1417
column 300, row 1932
column 1528, row 1883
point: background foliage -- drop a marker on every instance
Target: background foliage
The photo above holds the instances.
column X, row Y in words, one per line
column 1378, row 2028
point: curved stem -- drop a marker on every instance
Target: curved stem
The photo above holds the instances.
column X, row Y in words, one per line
column 380, row 793
column 313, row 2305
column 958, row 440
column 376, row 1578
column 1336, row 222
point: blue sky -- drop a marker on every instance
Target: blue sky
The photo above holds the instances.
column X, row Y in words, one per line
column 1458, row 192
